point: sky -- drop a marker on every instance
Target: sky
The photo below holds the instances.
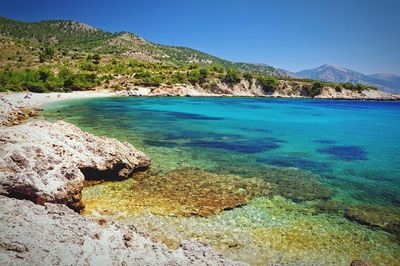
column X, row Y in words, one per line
column 289, row 34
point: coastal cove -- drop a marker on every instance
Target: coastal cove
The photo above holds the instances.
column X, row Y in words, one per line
column 262, row 180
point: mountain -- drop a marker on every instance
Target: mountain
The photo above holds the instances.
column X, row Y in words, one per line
column 331, row 73
column 68, row 35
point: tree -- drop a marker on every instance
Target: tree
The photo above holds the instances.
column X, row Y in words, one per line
column 268, row 83
column 96, row 59
column 46, row 53
column 232, row 76
column 248, row 76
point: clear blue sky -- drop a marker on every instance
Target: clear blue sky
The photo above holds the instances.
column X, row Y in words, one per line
column 290, row 34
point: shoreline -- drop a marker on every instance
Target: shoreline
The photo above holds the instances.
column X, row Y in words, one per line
column 43, row 169
column 53, row 208
column 39, row 100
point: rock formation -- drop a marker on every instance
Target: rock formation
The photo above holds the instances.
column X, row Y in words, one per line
column 48, row 162
column 53, row 234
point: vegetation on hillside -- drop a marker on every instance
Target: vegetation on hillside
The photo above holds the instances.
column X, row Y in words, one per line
column 62, row 55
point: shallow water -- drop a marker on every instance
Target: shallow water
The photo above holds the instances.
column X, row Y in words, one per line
column 288, row 181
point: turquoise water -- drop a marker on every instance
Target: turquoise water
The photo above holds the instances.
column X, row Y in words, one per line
column 331, row 163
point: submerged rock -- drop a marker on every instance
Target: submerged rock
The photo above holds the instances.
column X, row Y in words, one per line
column 71, row 239
column 358, row 263
column 197, row 192
column 48, row 162
column 386, row 218
column 182, row 192
column 294, row 184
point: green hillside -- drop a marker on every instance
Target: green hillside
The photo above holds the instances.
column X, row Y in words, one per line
column 63, row 55
column 66, row 35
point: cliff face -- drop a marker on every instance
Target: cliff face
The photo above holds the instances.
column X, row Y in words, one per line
column 284, row 88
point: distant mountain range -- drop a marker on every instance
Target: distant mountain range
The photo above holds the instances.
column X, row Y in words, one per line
column 385, row 82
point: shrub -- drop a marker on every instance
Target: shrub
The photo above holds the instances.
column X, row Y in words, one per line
column 46, row 53
column 217, row 68
column 315, row 89
column 232, row 76
column 96, row 59
column 194, row 76
column 268, row 83
column 357, row 87
column 248, row 76
column 178, row 77
column 88, row 66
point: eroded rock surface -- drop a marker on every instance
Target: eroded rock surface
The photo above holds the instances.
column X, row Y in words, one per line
column 53, row 234
column 48, row 162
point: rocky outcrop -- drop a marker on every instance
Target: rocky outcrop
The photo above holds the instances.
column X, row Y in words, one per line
column 48, row 162
column 55, row 235
column 14, row 114
column 249, row 88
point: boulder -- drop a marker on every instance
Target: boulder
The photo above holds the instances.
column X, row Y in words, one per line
column 48, row 162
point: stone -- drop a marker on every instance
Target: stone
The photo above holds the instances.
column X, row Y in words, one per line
column 71, row 239
column 48, row 162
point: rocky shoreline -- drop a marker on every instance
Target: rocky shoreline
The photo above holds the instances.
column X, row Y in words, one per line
column 251, row 89
column 43, row 169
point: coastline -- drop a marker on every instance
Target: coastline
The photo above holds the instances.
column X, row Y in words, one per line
column 43, row 169
column 54, row 206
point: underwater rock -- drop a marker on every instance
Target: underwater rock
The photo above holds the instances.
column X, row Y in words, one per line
column 298, row 162
column 358, row 263
column 330, row 206
column 241, row 146
column 182, row 192
column 47, row 162
column 190, row 116
column 386, row 218
column 71, row 239
column 294, row 184
column 191, row 191
column 345, row 153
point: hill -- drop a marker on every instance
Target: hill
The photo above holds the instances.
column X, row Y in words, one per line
column 385, row 82
column 65, row 55
column 71, row 35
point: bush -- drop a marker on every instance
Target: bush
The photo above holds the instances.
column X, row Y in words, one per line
column 268, row 83
column 43, row 80
column 217, row 68
column 88, row 66
column 96, row 59
column 145, row 78
column 316, row 89
column 232, row 76
column 46, row 53
column 248, row 76
column 357, row 87
column 178, row 77
column 194, row 76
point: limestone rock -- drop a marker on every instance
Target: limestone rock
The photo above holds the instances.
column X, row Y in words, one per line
column 48, row 162
column 53, row 234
